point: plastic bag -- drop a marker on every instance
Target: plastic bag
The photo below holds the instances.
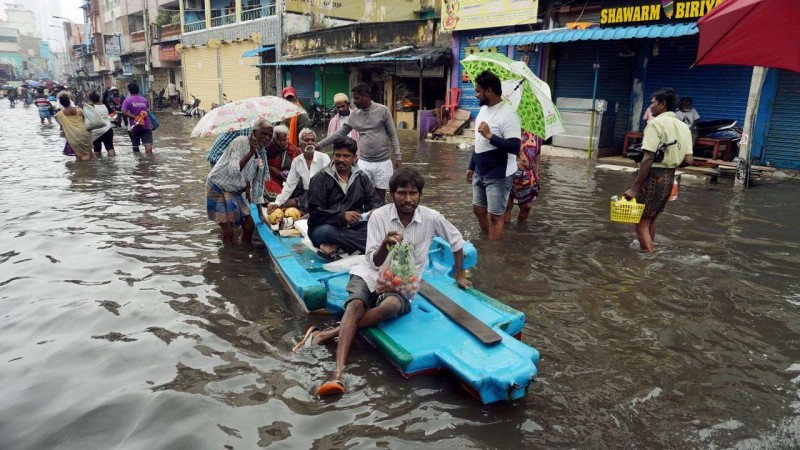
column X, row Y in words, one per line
column 91, row 119
column 398, row 274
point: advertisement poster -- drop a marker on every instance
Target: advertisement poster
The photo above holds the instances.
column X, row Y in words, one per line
column 460, row 15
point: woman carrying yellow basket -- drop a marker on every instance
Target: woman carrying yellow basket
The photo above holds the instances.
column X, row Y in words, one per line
column 653, row 183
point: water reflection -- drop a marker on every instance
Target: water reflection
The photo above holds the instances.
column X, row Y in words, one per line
column 126, row 321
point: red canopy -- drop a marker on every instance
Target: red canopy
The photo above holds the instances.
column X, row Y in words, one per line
column 751, row 33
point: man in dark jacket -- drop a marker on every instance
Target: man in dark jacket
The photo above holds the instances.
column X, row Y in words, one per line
column 339, row 198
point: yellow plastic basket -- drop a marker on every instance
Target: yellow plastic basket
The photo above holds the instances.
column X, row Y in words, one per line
column 626, row 211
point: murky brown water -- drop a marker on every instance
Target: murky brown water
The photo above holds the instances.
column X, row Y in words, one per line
column 125, row 324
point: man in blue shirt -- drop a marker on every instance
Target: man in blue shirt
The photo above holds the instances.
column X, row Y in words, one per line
column 222, row 142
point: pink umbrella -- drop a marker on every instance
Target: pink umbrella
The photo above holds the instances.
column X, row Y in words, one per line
column 241, row 114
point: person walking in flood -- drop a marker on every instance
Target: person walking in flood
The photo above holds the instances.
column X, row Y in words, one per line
column 102, row 137
column 525, row 188
column 494, row 160
column 72, row 123
column 239, row 173
column 653, row 183
column 136, row 108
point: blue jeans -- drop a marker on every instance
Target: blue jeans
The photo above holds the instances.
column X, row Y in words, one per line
column 492, row 193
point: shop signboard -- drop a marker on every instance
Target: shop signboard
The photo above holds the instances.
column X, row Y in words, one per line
column 113, row 45
column 626, row 13
column 167, row 52
column 412, row 70
column 460, row 15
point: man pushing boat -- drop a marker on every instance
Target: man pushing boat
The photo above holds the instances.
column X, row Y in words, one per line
column 406, row 221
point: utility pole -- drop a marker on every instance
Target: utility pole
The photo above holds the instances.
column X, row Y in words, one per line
column 147, row 48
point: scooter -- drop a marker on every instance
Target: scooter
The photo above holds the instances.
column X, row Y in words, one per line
column 719, row 129
column 193, row 109
column 319, row 114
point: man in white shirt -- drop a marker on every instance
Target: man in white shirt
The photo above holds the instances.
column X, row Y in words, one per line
column 172, row 93
column 494, row 160
column 404, row 220
column 303, row 168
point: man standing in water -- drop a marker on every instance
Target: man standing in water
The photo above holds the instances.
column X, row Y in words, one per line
column 494, row 160
column 135, row 108
column 653, row 183
column 342, row 105
column 377, row 138
column 404, row 220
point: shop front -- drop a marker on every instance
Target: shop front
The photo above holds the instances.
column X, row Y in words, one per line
column 776, row 133
column 219, row 70
column 623, row 61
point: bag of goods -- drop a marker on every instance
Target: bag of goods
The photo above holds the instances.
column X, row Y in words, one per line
column 398, row 274
column 275, row 216
column 294, row 213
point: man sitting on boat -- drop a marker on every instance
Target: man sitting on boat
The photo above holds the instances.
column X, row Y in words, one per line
column 339, row 198
column 303, row 168
column 280, row 154
column 242, row 170
column 403, row 220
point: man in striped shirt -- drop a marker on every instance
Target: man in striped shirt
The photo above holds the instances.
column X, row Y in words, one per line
column 402, row 221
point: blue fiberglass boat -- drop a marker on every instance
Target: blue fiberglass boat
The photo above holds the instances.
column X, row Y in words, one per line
column 426, row 339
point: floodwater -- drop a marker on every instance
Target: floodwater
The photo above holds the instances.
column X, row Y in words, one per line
column 125, row 324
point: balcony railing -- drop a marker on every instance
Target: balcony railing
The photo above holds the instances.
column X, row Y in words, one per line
column 194, row 26
column 223, row 20
column 257, row 13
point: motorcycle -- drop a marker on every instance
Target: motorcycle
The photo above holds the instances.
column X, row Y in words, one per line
column 718, row 129
column 319, row 114
column 193, row 109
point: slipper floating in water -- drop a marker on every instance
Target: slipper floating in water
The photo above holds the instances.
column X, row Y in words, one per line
column 306, row 341
column 334, row 387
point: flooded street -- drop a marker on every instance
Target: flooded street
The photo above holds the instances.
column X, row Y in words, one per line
column 125, row 323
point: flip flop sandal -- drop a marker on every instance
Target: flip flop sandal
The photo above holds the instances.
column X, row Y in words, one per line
column 307, row 339
column 334, row 387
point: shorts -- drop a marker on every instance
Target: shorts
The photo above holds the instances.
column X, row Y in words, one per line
column 44, row 113
column 141, row 136
column 492, row 193
column 358, row 290
column 379, row 172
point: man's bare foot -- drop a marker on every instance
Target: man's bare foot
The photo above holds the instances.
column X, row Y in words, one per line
column 329, row 249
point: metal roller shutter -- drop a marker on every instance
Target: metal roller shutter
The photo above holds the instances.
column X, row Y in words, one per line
column 337, row 79
column 574, row 75
column 781, row 148
column 200, row 75
column 719, row 92
column 239, row 78
column 303, row 83
column 468, row 101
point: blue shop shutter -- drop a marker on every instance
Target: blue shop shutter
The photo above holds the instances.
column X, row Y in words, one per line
column 468, row 101
column 303, row 83
column 574, row 75
column 719, row 92
column 781, row 146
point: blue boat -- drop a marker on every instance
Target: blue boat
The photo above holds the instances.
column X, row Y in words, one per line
column 426, row 340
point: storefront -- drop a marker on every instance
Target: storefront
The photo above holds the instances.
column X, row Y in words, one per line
column 219, row 69
column 623, row 61
column 776, row 132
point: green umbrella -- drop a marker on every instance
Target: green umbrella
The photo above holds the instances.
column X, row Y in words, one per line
column 526, row 92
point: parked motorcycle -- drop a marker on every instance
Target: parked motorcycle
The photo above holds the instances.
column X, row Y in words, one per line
column 193, row 109
column 319, row 114
column 718, row 129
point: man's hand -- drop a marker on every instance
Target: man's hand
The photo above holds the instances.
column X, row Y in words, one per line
column 463, row 282
column 484, row 130
column 316, row 146
column 351, row 217
column 469, row 176
column 397, row 164
column 271, row 207
column 392, row 238
column 630, row 193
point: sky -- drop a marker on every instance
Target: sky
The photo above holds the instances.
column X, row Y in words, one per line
column 69, row 9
